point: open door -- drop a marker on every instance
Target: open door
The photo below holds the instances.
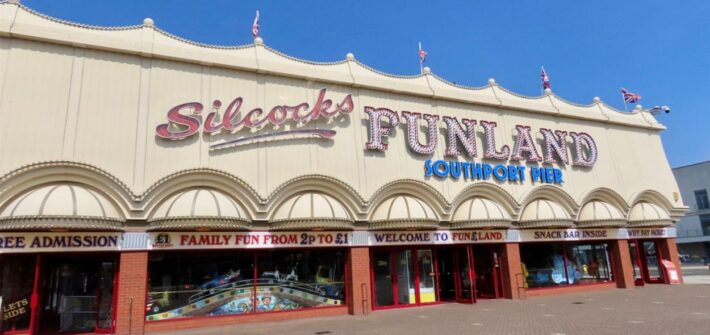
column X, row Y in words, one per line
column 106, row 311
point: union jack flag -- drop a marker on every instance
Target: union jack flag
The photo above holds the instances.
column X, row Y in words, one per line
column 629, row 97
column 545, row 79
column 255, row 26
column 422, row 54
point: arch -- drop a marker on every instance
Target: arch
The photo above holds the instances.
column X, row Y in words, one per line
column 218, row 180
column 552, row 193
column 488, row 191
column 32, row 176
column 353, row 201
column 414, row 188
column 606, row 195
column 654, row 197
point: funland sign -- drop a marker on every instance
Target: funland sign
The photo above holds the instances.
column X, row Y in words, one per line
column 185, row 120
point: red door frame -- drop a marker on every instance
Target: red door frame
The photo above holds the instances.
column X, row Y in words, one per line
column 496, row 273
column 642, row 262
column 415, row 268
column 114, row 302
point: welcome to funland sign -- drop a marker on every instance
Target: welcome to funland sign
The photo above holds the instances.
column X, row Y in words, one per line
column 185, row 120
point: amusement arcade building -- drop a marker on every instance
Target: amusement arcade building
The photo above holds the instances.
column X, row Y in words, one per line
column 151, row 183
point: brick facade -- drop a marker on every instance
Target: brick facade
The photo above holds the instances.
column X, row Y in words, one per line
column 358, row 284
column 623, row 266
column 132, row 288
column 512, row 271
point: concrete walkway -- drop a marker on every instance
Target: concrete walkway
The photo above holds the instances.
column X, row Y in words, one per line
column 696, row 274
column 653, row 309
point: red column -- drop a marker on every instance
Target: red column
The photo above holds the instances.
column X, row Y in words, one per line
column 670, row 252
column 358, row 285
column 513, row 281
column 132, row 282
column 623, row 266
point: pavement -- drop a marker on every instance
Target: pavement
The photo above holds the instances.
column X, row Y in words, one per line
column 696, row 274
column 652, row 309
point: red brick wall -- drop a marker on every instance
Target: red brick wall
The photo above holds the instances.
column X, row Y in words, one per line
column 132, row 281
column 623, row 266
column 358, row 282
column 512, row 272
column 670, row 252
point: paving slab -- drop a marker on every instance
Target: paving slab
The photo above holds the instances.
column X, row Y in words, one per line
column 653, row 309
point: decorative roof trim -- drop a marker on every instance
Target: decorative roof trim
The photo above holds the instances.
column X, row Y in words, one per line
column 650, row 223
column 312, row 223
column 638, row 122
column 46, row 222
column 428, row 187
column 608, row 223
column 404, row 224
column 197, row 222
column 552, row 223
column 492, row 223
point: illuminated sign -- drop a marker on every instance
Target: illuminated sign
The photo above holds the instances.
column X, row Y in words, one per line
column 185, row 120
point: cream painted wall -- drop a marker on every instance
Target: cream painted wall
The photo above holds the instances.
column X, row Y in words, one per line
column 90, row 105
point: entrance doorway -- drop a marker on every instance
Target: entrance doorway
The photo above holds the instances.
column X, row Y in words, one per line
column 488, row 272
column 646, row 258
column 416, row 276
column 75, row 294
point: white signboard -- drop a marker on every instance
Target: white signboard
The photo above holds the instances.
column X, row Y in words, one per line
column 437, row 237
column 47, row 242
column 247, row 240
column 533, row 235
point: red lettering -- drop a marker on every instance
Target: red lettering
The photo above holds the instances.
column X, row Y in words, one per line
column 188, row 124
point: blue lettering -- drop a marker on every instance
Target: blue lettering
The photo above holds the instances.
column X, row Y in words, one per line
column 487, row 171
column 455, row 169
column 427, row 166
column 437, row 168
column 500, row 172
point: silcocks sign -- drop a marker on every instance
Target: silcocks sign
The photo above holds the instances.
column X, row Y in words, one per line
column 558, row 146
column 186, row 119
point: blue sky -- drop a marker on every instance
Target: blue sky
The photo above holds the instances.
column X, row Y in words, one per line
column 659, row 49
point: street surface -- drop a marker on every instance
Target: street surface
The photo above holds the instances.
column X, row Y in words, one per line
column 653, row 309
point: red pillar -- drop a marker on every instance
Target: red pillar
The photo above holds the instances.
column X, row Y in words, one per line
column 670, row 252
column 358, row 285
column 623, row 266
column 513, row 280
column 132, row 282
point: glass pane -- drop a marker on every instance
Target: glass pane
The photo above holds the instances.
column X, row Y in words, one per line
column 652, row 259
column 464, row 273
column 427, row 287
column 635, row 260
column 405, row 278
column 544, row 265
column 186, row 285
column 383, row 278
column 289, row 280
column 105, row 317
column 589, row 263
column 445, row 264
column 483, row 266
column 69, row 300
column 16, row 281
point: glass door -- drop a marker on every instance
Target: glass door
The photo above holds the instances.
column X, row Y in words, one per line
column 464, row 275
column 427, row 277
column 652, row 261
column 487, row 270
column 404, row 270
column 382, row 278
column 446, row 274
column 636, row 262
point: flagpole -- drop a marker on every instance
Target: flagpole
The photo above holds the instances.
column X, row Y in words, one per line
column 626, row 107
column 421, row 67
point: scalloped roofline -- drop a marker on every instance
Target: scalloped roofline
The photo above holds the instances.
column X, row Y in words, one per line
column 146, row 40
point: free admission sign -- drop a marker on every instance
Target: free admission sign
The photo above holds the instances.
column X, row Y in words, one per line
column 48, row 242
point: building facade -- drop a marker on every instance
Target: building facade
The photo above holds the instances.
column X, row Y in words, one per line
column 694, row 227
column 150, row 183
